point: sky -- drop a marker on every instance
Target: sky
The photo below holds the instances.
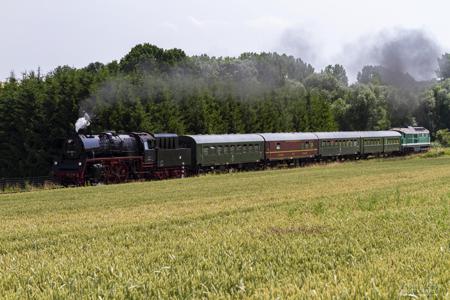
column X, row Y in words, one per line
column 47, row 33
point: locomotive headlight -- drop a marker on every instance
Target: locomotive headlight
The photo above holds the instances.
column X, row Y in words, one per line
column 79, row 163
column 55, row 163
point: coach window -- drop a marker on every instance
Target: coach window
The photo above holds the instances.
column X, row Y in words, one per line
column 225, row 149
column 205, row 150
column 212, row 150
column 232, row 149
column 278, row 147
column 219, row 150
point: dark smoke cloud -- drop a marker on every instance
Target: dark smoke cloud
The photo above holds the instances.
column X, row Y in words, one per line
column 300, row 43
column 411, row 51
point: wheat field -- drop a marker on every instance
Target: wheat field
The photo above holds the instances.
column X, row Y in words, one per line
column 366, row 229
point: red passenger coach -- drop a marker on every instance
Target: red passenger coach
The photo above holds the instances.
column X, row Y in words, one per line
column 290, row 147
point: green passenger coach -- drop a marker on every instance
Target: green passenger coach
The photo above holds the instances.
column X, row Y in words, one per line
column 414, row 139
column 336, row 144
column 227, row 150
column 378, row 142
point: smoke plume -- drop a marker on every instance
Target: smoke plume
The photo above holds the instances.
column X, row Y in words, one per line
column 300, row 43
column 410, row 51
column 82, row 122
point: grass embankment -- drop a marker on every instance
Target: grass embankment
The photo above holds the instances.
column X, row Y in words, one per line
column 377, row 228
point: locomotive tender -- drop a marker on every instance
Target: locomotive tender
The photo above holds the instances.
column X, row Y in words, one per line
column 112, row 158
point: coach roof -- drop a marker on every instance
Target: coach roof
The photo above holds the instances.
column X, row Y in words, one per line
column 378, row 134
column 288, row 136
column 338, row 135
column 225, row 138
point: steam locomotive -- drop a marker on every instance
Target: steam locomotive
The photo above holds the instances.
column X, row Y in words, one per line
column 111, row 157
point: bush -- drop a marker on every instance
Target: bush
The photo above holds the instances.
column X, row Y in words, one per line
column 443, row 136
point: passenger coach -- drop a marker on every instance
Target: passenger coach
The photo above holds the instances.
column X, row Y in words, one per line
column 225, row 150
column 290, row 147
column 339, row 144
column 380, row 142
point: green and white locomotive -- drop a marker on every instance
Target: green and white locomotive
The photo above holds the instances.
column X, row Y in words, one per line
column 414, row 139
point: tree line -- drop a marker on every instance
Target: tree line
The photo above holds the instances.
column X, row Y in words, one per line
column 157, row 90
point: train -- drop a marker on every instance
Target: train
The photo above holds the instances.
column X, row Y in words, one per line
column 110, row 157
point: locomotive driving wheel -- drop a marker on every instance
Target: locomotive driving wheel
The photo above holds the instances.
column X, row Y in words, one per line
column 119, row 173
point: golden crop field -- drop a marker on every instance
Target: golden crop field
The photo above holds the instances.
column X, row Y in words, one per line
column 374, row 229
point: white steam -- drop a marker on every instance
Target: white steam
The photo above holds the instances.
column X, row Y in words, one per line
column 82, row 122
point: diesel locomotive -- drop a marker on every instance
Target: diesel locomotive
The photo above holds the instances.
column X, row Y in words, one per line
column 111, row 157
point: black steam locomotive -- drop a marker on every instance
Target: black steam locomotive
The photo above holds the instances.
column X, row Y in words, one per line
column 111, row 158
